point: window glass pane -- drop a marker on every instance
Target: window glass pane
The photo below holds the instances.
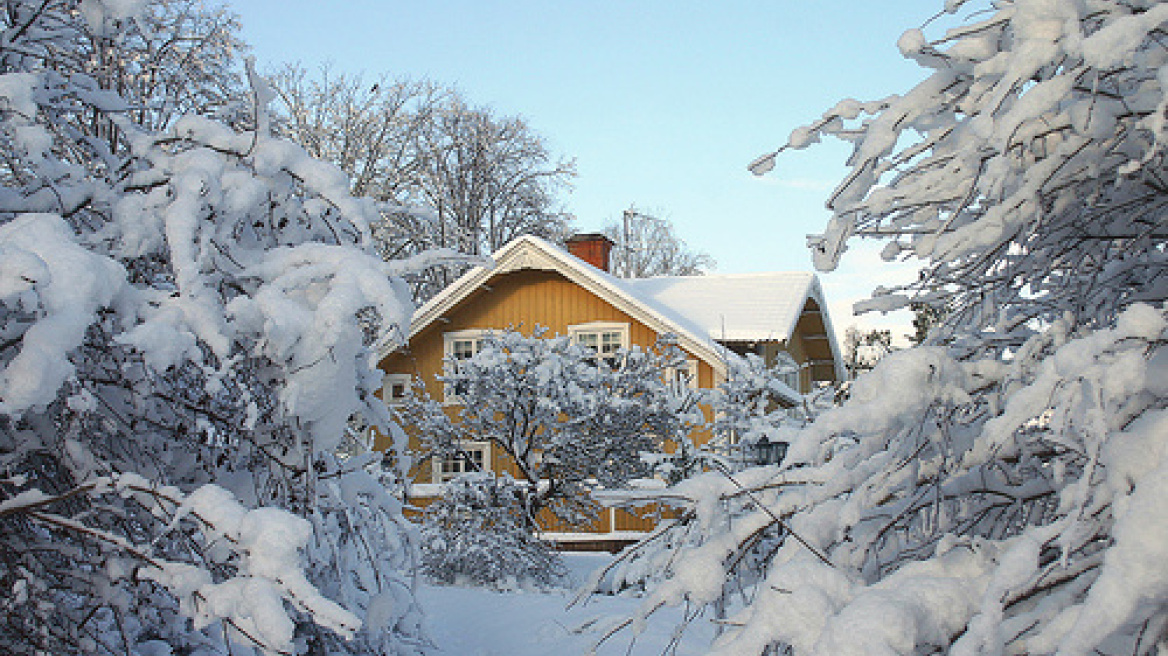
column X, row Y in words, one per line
column 459, row 346
column 605, row 343
column 610, row 342
column 395, row 388
column 464, row 349
column 453, row 466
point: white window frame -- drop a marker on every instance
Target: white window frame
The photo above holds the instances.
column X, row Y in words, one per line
column 389, row 381
column 600, row 327
column 458, row 463
column 448, row 342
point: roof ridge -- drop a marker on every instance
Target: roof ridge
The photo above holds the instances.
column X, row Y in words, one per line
column 713, row 276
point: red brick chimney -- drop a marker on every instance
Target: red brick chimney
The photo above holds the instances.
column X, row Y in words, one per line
column 591, row 247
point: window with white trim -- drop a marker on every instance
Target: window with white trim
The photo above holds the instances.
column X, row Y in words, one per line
column 464, row 348
column 456, row 346
column 472, row 457
column 395, row 387
column 606, row 340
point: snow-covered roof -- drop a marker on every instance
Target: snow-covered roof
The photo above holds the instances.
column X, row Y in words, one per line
column 732, row 307
column 700, row 310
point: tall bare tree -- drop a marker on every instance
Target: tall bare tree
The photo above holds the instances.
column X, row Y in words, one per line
column 176, row 57
column 647, row 245
column 452, row 175
column 370, row 130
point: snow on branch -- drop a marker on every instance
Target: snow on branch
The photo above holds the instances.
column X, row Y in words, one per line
column 195, row 303
column 258, row 549
column 923, row 513
column 1029, row 165
column 1000, row 489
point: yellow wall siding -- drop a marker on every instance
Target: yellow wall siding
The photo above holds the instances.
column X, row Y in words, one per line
column 519, row 300
column 797, row 348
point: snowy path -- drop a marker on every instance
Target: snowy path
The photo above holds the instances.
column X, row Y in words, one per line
column 476, row 622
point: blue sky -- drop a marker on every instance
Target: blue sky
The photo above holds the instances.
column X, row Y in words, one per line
column 661, row 103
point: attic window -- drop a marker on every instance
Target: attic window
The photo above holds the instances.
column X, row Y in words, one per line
column 605, row 340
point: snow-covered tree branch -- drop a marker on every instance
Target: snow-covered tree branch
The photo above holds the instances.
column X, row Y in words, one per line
column 1000, row 490
column 185, row 313
column 1027, row 169
column 566, row 420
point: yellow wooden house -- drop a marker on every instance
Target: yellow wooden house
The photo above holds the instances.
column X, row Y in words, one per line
column 779, row 316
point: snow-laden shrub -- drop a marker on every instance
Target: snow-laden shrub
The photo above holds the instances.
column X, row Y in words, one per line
column 569, row 423
column 478, row 533
column 182, row 343
column 1000, row 489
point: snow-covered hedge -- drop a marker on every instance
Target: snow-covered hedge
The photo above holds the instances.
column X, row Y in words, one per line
column 478, row 534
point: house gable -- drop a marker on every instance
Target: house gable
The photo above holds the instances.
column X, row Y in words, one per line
column 520, row 299
column 813, row 342
column 529, row 253
column 760, row 313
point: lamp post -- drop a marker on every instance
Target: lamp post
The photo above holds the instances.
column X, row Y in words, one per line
column 628, row 215
column 627, row 245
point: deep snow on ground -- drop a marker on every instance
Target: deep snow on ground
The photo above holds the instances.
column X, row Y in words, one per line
column 466, row 621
